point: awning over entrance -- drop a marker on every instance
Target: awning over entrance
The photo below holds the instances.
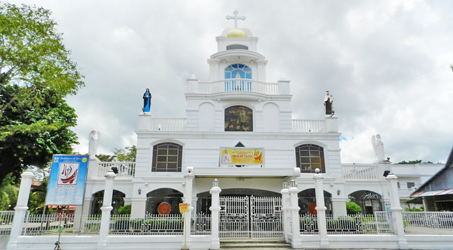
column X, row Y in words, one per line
column 432, row 193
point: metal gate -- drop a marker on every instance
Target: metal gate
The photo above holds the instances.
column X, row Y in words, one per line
column 250, row 217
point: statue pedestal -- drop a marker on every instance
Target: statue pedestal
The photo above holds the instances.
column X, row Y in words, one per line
column 144, row 121
column 331, row 124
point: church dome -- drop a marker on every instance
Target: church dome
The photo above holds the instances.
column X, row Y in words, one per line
column 236, row 33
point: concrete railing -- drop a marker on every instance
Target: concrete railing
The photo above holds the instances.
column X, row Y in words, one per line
column 238, row 85
column 125, row 169
column 168, row 124
column 315, row 126
column 360, row 172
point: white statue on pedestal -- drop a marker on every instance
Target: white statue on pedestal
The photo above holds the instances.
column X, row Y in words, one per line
column 95, row 136
column 378, row 146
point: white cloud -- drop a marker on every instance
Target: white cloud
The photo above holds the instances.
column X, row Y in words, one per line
column 386, row 63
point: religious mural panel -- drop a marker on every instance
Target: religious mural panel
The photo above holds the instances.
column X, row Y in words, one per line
column 238, row 118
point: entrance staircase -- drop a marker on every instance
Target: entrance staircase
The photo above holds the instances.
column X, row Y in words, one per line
column 254, row 244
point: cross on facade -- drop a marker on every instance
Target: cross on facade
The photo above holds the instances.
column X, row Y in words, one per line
column 236, row 17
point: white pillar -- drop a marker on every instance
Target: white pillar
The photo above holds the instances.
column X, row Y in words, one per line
column 215, row 208
column 20, row 210
column 285, row 211
column 396, row 209
column 294, row 210
column 188, row 199
column 321, row 210
column 106, row 209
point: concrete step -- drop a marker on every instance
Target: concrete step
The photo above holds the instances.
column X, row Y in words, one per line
column 251, row 244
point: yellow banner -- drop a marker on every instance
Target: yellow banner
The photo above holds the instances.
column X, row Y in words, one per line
column 183, row 207
column 241, row 156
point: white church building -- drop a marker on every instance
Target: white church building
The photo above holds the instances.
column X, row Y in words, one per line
column 240, row 157
column 239, row 108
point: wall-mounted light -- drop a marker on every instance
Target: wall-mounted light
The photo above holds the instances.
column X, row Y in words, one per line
column 338, row 192
column 139, row 191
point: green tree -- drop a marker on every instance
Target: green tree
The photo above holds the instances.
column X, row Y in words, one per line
column 36, row 73
column 8, row 193
column 353, row 208
column 126, row 154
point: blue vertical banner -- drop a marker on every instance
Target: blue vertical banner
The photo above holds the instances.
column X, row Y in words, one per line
column 67, row 180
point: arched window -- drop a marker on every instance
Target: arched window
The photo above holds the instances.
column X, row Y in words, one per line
column 167, row 157
column 310, row 157
column 238, row 71
column 236, row 75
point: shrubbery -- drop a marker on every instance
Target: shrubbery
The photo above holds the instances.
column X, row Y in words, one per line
column 353, row 208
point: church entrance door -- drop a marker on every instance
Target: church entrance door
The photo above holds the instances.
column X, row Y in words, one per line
column 250, row 217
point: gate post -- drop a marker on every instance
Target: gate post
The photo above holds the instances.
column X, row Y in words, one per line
column 20, row 210
column 215, row 208
column 106, row 209
column 294, row 209
column 321, row 209
column 188, row 199
column 285, row 211
column 396, row 209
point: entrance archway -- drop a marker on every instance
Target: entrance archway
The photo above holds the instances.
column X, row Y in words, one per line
column 307, row 201
column 97, row 198
column 369, row 201
column 246, row 213
column 163, row 201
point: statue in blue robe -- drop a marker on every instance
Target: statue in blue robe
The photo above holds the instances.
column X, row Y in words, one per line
column 147, row 101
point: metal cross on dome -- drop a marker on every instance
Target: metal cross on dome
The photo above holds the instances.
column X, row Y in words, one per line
column 236, row 17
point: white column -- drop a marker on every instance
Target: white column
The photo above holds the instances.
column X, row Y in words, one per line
column 321, row 210
column 294, row 210
column 106, row 209
column 20, row 210
column 285, row 211
column 188, row 199
column 396, row 209
column 215, row 208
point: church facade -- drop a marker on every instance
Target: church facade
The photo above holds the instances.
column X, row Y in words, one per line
column 238, row 113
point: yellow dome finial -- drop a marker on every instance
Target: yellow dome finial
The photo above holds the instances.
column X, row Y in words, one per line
column 236, row 33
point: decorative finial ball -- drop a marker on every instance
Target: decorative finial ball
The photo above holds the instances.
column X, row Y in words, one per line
column 192, row 76
column 317, row 170
column 236, row 34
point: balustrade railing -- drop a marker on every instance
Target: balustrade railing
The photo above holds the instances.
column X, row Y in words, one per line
column 434, row 223
column 360, row 172
column 125, row 169
column 314, row 126
column 168, row 124
column 6, row 222
column 238, row 85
